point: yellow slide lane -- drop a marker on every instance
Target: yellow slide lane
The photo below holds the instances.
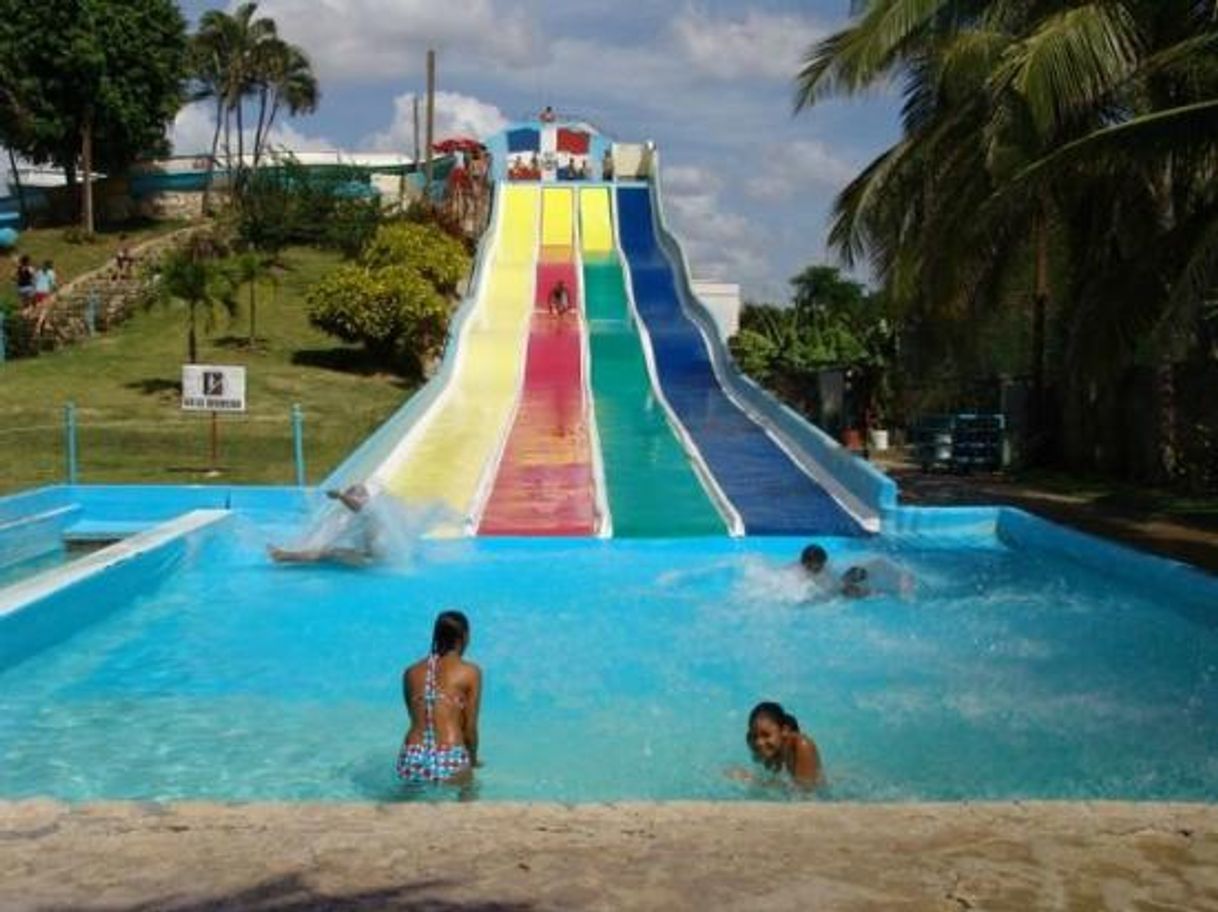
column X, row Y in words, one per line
column 445, row 463
column 556, row 217
column 595, row 224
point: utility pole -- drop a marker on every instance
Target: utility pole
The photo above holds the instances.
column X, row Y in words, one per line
column 431, row 111
column 415, row 105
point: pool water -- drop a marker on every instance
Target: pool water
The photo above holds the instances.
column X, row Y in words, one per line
column 625, row 670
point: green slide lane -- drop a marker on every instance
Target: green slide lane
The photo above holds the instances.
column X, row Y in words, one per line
column 653, row 490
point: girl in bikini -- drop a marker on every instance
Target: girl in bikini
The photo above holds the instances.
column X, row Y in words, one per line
column 442, row 694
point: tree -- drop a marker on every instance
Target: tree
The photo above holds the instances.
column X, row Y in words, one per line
column 832, row 323
column 194, row 275
column 285, row 79
column 395, row 301
column 249, row 269
column 240, row 55
column 100, row 81
column 1056, row 157
column 395, row 313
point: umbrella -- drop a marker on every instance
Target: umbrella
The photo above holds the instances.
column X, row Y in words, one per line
column 457, row 144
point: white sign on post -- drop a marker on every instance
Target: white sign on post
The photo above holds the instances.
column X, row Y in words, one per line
column 213, row 388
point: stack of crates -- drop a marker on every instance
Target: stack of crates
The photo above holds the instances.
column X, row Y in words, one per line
column 960, row 442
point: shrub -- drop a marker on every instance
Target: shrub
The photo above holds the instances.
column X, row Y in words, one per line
column 428, row 250
column 396, row 313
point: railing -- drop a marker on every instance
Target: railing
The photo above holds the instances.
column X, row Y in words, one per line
column 88, row 445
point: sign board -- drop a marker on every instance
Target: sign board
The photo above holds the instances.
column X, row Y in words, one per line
column 213, row 388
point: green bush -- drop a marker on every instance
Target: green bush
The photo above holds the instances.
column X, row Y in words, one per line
column 396, row 313
column 425, row 248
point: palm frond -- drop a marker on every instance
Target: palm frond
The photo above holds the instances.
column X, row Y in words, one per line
column 858, row 57
column 1070, row 62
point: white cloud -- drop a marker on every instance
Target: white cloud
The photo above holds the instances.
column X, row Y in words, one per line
column 690, row 180
column 788, row 167
column 364, row 40
column 759, row 45
column 455, row 115
column 192, row 130
column 719, row 243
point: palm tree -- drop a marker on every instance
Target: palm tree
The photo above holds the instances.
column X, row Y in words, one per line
column 285, row 78
column 208, row 82
column 194, row 275
column 226, row 54
column 1008, row 107
column 249, row 269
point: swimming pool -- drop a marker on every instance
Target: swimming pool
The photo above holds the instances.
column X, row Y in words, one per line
column 625, row 670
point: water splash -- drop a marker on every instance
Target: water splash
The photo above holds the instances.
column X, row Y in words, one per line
column 383, row 530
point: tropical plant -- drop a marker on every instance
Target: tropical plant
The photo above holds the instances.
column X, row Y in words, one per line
column 396, row 300
column 832, row 322
column 195, row 275
column 395, row 313
column 249, row 268
column 239, row 55
column 435, row 255
column 1057, row 157
column 284, row 78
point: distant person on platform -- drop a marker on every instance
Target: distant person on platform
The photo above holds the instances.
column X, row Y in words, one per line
column 547, row 115
column 607, row 166
column 348, row 537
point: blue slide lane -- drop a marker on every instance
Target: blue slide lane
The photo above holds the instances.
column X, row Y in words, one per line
column 771, row 493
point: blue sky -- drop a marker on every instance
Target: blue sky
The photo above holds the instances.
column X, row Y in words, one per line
column 748, row 184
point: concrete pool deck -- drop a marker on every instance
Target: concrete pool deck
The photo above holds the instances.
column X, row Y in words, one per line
column 992, row 856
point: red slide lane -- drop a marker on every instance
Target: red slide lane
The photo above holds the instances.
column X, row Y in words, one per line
column 545, row 484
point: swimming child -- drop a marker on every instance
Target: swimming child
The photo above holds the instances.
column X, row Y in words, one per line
column 775, row 741
column 854, row 583
column 442, row 694
column 873, row 576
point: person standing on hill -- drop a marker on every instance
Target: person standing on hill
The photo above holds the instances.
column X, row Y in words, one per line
column 25, row 281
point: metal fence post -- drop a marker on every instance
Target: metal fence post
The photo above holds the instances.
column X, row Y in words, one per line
column 69, row 435
column 298, row 444
column 91, row 308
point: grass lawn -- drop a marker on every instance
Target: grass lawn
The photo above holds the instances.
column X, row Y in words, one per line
column 125, row 386
column 74, row 259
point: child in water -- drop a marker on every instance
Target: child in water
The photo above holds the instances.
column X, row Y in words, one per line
column 874, row 576
column 775, row 741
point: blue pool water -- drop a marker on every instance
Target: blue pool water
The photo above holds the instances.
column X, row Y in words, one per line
column 625, row 669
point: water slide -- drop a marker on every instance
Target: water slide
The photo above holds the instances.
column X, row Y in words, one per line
column 772, row 491
column 443, row 458
column 618, row 416
column 546, row 481
column 652, row 482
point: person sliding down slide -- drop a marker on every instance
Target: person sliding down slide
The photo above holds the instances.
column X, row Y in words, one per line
column 346, row 537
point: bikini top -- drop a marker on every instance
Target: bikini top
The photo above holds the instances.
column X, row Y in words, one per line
column 431, row 691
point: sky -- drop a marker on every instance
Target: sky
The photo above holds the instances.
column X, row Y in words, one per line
column 748, row 184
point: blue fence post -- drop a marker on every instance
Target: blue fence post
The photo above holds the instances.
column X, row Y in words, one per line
column 69, row 439
column 91, row 308
column 298, row 444
column 3, row 341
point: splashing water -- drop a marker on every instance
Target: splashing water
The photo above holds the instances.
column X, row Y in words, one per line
column 384, row 528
